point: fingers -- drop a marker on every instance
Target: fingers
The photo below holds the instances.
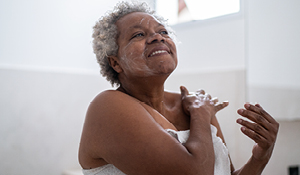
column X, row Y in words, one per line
column 263, row 129
column 208, row 96
column 201, row 94
column 258, row 115
column 215, row 100
column 204, row 98
column 184, row 91
column 260, row 110
column 220, row 106
column 256, row 128
column 257, row 138
column 200, row 91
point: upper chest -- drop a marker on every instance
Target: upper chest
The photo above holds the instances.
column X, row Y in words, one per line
column 172, row 117
column 177, row 117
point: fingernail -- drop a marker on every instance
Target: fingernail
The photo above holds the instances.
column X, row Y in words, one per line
column 243, row 128
column 225, row 103
column 247, row 105
column 239, row 121
column 240, row 111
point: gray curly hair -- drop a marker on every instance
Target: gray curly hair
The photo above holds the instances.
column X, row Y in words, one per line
column 105, row 35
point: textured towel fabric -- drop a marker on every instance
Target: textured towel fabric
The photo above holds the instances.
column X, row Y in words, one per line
column 222, row 163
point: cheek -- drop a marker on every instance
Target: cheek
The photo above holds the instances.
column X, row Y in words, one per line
column 172, row 45
column 173, row 48
column 132, row 51
column 132, row 57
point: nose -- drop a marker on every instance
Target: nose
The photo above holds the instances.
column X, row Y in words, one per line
column 155, row 37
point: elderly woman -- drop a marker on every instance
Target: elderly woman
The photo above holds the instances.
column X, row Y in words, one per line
column 141, row 129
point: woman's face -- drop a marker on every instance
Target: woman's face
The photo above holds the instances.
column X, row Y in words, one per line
column 145, row 48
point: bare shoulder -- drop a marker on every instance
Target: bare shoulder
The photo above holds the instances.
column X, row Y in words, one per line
column 109, row 104
column 111, row 107
column 120, row 131
column 110, row 119
column 107, row 114
column 112, row 96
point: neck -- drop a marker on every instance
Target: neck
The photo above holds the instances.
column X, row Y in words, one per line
column 149, row 92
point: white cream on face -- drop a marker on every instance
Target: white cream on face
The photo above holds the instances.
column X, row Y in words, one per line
column 133, row 62
column 142, row 20
column 136, row 60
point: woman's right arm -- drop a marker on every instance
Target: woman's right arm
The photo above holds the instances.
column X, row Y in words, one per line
column 201, row 109
column 120, row 131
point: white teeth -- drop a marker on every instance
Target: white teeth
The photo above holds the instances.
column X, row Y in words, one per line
column 158, row 51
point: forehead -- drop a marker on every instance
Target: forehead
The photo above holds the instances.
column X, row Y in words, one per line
column 135, row 18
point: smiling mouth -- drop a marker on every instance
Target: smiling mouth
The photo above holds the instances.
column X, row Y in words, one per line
column 158, row 52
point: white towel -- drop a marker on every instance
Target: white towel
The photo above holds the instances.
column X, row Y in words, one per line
column 222, row 163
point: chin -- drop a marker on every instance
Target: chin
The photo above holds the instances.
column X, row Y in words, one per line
column 167, row 69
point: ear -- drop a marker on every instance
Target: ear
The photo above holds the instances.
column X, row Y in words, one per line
column 114, row 63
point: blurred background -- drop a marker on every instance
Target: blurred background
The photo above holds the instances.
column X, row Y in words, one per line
column 237, row 50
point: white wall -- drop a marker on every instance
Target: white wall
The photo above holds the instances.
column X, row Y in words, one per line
column 273, row 74
column 42, row 114
column 49, row 33
column 49, row 75
column 212, row 44
column 273, row 40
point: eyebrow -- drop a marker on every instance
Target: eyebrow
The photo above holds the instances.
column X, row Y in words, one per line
column 139, row 26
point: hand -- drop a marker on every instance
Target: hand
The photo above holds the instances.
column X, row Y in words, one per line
column 263, row 130
column 200, row 100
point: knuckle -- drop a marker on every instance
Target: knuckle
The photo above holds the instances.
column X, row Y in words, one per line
column 219, row 106
column 259, row 118
column 257, row 127
column 257, row 137
column 190, row 97
column 215, row 99
column 263, row 112
column 201, row 91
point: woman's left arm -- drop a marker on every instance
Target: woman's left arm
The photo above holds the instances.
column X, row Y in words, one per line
column 263, row 131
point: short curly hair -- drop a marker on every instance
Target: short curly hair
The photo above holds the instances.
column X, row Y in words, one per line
column 106, row 33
